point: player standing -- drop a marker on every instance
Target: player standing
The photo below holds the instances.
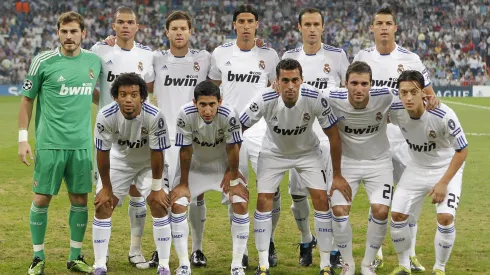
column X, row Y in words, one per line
column 177, row 72
column 387, row 61
column 130, row 136
column 290, row 143
column 209, row 137
column 63, row 81
column 243, row 69
column 126, row 56
column 324, row 67
column 437, row 148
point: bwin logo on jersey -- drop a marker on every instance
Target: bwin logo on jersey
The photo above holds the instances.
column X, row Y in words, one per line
column 207, row 144
column 291, row 132
column 252, row 77
column 391, row 82
column 189, row 80
column 427, row 147
column 359, row 131
column 83, row 90
column 319, row 83
column 133, row 144
column 111, row 77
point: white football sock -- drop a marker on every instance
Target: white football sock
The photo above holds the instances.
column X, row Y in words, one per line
column 413, row 232
column 375, row 236
column 180, row 236
column 276, row 212
column 323, row 229
column 342, row 231
column 443, row 244
column 301, row 213
column 262, row 232
column 400, row 236
column 137, row 218
column 163, row 239
column 101, row 235
column 197, row 220
column 240, row 226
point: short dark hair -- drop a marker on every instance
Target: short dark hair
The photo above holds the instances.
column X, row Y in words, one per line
column 310, row 10
column 124, row 9
column 413, row 76
column 384, row 10
column 129, row 79
column 69, row 17
column 246, row 8
column 359, row 67
column 206, row 88
column 178, row 15
column 288, row 64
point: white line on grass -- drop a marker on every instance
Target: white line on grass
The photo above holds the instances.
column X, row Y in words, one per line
column 466, row 104
column 477, row 134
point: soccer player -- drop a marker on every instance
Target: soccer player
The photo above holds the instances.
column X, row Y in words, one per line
column 130, row 136
column 63, row 81
column 388, row 60
column 177, row 72
column 363, row 113
column 437, row 149
column 291, row 143
column 124, row 57
column 324, row 67
column 243, row 69
column 209, row 136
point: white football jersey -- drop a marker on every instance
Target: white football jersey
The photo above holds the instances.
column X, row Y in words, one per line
column 289, row 130
column 116, row 61
column 387, row 67
column 433, row 138
column 363, row 131
column 130, row 141
column 242, row 73
column 175, row 80
column 208, row 140
column 325, row 69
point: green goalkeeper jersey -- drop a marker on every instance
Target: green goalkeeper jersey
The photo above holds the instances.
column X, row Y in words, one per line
column 63, row 86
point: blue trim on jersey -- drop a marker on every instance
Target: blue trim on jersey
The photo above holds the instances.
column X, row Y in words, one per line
column 332, row 120
column 384, row 54
column 112, row 110
column 312, row 54
column 141, row 46
column 339, row 97
column 189, row 107
column 331, row 49
column 150, row 107
column 98, row 144
column 179, row 140
column 400, row 49
column 244, row 118
column 236, row 137
column 309, row 93
column 190, row 110
column 462, row 142
column 149, row 110
column 381, row 93
column 438, row 112
column 162, row 143
column 222, row 113
column 224, row 110
column 456, row 132
column 226, row 45
column 270, row 96
column 179, row 56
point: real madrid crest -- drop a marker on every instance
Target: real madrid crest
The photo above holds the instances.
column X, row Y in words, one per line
column 140, row 66
column 196, row 67
column 306, row 117
column 91, row 74
column 432, row 134
column 379, row 116
column 262, row 64
column 144, row 131
column 326, row 68
column 400, row 68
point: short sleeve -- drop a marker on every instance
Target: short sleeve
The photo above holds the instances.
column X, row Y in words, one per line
column 214, row 71
column 233, row 132
column 254, row 110
column 419, row 66
column 150, row 75
column 344, row 64
column 396, row 109
column 158, row 135
column 272, row 69
column 184, row 129
column 324, row 113
column 34, row 78
column 454, row 132
column 103, row 131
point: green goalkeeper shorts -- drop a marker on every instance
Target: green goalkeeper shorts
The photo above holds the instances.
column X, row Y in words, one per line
column 52, row 166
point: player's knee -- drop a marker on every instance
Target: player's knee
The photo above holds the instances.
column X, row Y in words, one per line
column 319, row 199
column 41, row 200
column 104, row 211
column 445, row 218
column 380, row 211
column 178, row 209
column 158, row 210
column 341, row 210
column 200, row 197
column 264, row 202
column 398, row 217
column 240, row 208
column 78, row 199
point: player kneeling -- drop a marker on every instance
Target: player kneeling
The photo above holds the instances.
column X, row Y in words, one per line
column 130, row 136
column 209, row 136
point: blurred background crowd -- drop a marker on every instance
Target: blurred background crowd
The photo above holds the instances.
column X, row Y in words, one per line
column 451, row 37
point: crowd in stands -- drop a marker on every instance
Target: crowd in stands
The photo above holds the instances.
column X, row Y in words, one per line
column 451, row 37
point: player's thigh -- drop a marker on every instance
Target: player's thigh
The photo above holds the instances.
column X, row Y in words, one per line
column 352, row 173
column 312, row 171
column 451, row 202
column 49, row 169
column 270, row 171
column 296, row 188
column 171, row 159
column 379, row 185
column 78, row 173
column 122, row 176
column 206, row 176
column 254, row 144
column 400, row 155
column 410, row 191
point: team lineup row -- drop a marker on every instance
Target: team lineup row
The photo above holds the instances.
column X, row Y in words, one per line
column 207, row 132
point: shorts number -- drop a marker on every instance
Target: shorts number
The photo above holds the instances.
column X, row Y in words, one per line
column 453, row 201
column 388, row 192
column 324, row 173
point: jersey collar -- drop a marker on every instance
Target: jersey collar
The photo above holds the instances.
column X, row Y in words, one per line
column 319, row 53
column 124, row 50
column 173, row 58
column 237, row 51
column 391, row 53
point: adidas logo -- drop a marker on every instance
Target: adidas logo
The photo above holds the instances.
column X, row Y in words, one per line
column 164, row 67
column 274, row 118
column 61, row 78
column 228, row 63
column 109, row 62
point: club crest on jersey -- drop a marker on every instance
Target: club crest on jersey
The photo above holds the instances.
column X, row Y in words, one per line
column 196, row 67
column 144, row 131
column 100, row 128
column 180, row 123
column 140, row 66
column 306, row 117
column 91, row 74
column 161, row 123
column 326, row 68
column 400, row 68
column 379, row 116
column 221, row 133
column 432, row 134
column 254, row 107
column 262, row 65
column 451, row 124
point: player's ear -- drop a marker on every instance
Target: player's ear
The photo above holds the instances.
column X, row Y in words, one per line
column 371, row 27
column 194, row 101
column 84, row 33
column 299, row 27
column 220, row 100
column 114, row 26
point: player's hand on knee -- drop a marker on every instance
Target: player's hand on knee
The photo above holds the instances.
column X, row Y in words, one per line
column 159, row 197
column 240, row 190
column 438, row 193
column 178, row 192
column 432, row 102
column 110, row 40
column 341, row 185
column 104, row 197
column 24, row 150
